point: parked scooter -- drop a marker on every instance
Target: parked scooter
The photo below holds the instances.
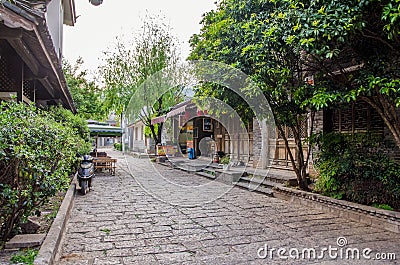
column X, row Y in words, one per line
column 85, row 173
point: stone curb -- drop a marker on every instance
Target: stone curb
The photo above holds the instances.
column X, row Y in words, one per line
column 383, row 219
column 50, row 247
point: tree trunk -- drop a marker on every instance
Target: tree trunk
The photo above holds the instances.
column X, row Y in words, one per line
column 153, row 133
column 159, row 132
column 303, row 184
column 301, row 162
column 297, row 164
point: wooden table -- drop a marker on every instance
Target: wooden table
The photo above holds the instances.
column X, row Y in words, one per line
column 107, row 163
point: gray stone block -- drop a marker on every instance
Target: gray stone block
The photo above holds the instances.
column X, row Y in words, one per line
column 229, row 177
column 31, row 227
column 25, row 241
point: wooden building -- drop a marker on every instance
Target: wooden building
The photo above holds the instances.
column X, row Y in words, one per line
column 31, row 34
column 189, row 126
column 351, row 118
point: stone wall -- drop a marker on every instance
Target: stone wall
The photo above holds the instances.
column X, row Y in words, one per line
column 388, row 220
column 318, row 128
column 257, row 143
column 319, row 122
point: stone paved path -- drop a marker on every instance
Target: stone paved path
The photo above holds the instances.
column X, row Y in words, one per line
column 137, row 217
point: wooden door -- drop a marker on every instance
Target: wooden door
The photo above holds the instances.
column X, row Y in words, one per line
column 281, row 158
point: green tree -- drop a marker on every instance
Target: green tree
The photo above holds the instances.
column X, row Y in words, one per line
column 152, row 55
column 86, row 94
column 353, row 48
column 37, row 157
column 350, row 47
column 240, row 33
column 118, row 73
column 77, row 123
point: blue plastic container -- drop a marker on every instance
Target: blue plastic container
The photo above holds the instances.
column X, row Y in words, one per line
column 190, row 152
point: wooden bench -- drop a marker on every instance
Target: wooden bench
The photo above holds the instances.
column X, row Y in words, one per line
column 107, row 163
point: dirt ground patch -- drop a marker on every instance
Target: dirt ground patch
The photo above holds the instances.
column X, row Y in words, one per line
column 47, row 214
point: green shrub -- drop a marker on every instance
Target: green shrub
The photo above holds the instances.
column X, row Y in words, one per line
column 383, row 206
column 224, row 160
column 354, row 168
column 78, row 124
column 118, row 146
column 37, row 156
column 26, row 256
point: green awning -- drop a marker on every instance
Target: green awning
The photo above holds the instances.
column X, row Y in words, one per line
column 104, row 130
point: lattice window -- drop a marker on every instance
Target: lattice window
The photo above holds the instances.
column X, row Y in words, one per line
column 376, row 123
column 280, row 136
column 336, row 120
column 361, row 113
column 346, row 116
column 357, row 117
column 304, row 129
column 29, row 89
column 6, row 83
column 290, row 134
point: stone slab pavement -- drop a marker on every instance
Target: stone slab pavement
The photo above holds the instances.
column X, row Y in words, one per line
column 150, row 214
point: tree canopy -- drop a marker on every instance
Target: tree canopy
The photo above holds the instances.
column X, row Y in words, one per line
column 349, row 47
column 86, row 94
column 237, row 34
column 127, row 67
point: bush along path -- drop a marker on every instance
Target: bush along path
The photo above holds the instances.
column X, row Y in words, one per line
column 355, row 168
column 37, row 155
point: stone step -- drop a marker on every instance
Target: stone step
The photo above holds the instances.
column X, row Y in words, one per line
column 143, row 155
column 256, row 188
column 166, row 164
column 25, row 241
column 275, row 176
column 205, row 174
column 272, row 175
column 187, row 167
column 257, row 181
column 282, row 164
column 214, row 165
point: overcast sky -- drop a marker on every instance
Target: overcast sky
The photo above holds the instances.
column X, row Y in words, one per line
column 98, row 26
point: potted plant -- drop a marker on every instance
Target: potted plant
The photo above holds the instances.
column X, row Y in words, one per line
column 225, row 162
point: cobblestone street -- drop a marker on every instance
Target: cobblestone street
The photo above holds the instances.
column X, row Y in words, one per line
column 138, row 217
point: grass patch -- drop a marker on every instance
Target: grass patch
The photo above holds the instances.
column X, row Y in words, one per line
column 383, row 206
column 209, row 172
column 26, row 256
column 52, row 215
column 106, row 230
